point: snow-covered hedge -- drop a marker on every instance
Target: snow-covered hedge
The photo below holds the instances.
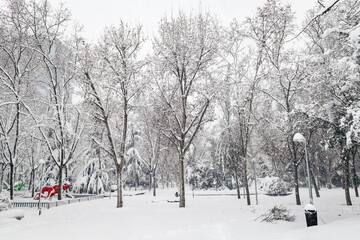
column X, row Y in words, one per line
column 4, row 202
column 274, row 186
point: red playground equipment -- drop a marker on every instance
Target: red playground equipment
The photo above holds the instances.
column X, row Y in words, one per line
column 49, row 191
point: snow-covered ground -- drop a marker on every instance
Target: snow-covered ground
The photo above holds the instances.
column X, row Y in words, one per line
column 205, row 217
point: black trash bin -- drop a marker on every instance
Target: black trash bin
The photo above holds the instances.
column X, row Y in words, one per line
column 311, row 215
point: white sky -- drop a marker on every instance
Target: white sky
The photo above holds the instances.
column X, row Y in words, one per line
column 94, row 15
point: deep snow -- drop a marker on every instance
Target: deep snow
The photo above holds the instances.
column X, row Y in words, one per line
column 205, row 217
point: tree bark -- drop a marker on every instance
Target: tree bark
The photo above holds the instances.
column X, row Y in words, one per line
column 237, row 185
column 317, row 167
column 182, row 182
column 119, row 198
column 312, row 174
column 314, row 184
column 296, row 178
column 150, row 181
column 354, row 174
column 345, row 159
column 97, row 184
column 246, row 181
column 31, row 178
column 296, row 183
column 150, row 178
column 11, row 181
column 60, row 182
column 329, row 175
column 1, row 176
column 33, row 183
column 154, row 187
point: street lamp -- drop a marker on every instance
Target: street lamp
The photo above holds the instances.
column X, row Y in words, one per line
column 42, row 163
column 298, row 137
column 310, row 210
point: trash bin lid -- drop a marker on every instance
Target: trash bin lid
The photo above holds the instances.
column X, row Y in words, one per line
column 310, row 207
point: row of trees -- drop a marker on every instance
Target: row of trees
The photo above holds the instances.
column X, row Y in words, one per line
column 206, row 104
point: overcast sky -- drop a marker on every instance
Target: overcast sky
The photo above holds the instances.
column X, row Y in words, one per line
column 96, row 14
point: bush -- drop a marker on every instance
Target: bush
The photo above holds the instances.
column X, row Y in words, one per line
column 4, row 202
column 274, row 186
column 278, row 213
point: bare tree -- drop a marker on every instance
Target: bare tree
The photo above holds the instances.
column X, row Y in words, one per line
column 115, row 80
column 152, row 146
column 63, row 125
column 243, row 73
column 16, row 65
column 184, row 50
column 284, row 76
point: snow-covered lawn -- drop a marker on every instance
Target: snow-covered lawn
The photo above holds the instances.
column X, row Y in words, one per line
column 205, row 217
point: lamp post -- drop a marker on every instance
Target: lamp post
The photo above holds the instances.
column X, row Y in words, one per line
column 300, row 138
column 41, row 162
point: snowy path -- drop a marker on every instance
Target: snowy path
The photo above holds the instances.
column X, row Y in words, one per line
column 216, row 217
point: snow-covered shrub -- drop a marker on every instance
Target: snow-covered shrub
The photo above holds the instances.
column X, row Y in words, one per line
column 274, row 186
column 4, row 202
column 278, row 213
column 91, row 177
column 19, row 186
column 205, row 177
column 135, row 170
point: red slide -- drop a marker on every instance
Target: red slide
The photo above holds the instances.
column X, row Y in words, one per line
column 49, row 191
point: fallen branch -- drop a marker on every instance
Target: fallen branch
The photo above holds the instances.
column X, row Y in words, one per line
column 277, row 213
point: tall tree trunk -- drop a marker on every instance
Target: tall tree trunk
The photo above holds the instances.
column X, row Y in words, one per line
column 31, row 179
column 317, row 174
column 255, row 181
column 181, row 179
column 312, row 174
column 66, row 172
column 14, row 151
column 296, row 183
column 314, row 184
column 162, row 180
column 119, row 198
column 296, row 178
column 33, row 183
column 154, row 187
column 150, row 171
column 1, row 177
column 60, row 182
column 237, row 184
column 122, row 151
column 345, row 160
column 150, row 181
column 99, row 170
column 314, row 169
column 11, row 181
column 329, row 175
column 246, row 181
column 354, row 174
column 168, row 180
column 97, row 184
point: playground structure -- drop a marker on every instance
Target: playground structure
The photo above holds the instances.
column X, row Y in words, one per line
column 48, row 191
